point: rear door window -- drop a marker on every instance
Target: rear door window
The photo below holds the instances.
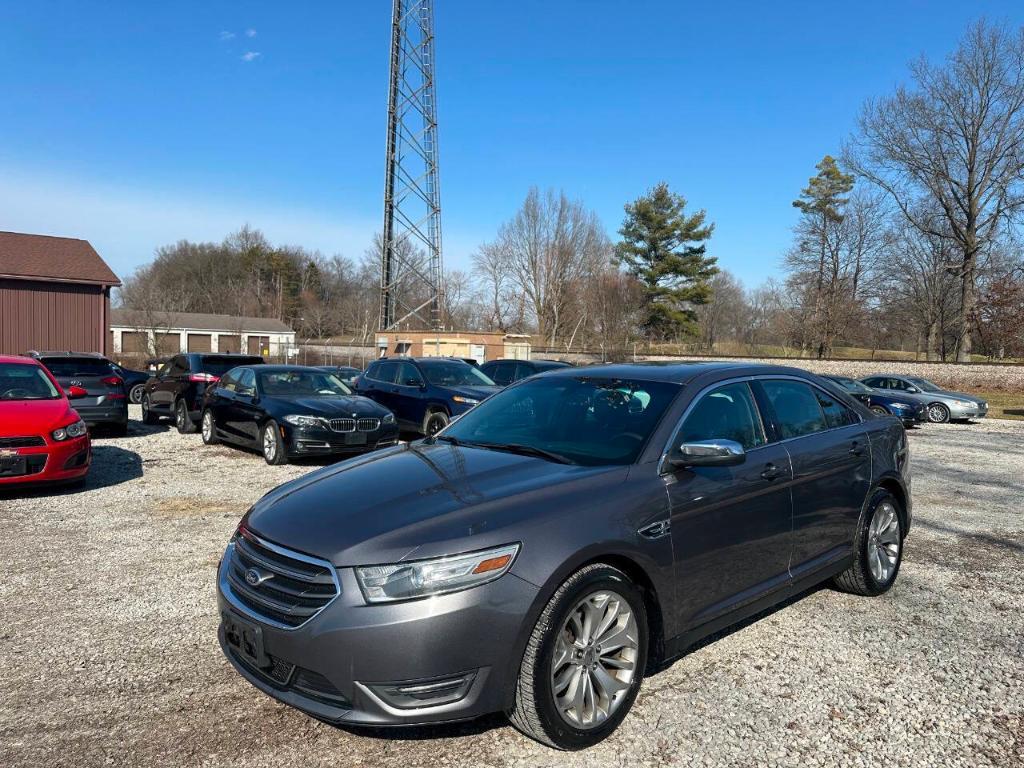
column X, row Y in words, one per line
column 246, row 382
column 726, row 413
column 796, row 408
column 409, row 375
column 179, row 366
column 836, row 414
column 387, row 372
column 501, row 373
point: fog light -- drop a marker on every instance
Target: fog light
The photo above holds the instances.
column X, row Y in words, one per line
column 425, row 693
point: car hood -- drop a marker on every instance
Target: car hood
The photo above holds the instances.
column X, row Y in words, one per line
column 418, row 500
column 19, row 418
column 329, row 407
column 956, row 396
column 892, row 398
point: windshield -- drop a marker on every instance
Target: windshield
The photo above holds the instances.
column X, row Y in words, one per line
column 852, row 385
column 583, row 420
column 76, row 366
column 924, row 385
column 19, row 381
column 301, row 384
column 453, row 373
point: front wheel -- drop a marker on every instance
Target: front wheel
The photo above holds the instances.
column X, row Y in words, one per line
column 273, row 446
column 938, row 413
column 879, row 410
column 434, row 422
column 208, row 428
column 878, row 549
column 584, row 661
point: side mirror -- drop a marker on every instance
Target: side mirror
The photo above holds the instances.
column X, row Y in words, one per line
column 708, row 453
column 913, row 390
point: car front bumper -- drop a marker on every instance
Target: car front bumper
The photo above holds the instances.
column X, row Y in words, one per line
column 346, row 663
column 53, row 463
column 321, row 442
column 974, row 411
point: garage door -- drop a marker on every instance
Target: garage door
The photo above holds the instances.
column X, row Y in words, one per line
column 229, row 342
column 133, row 343
column 199, row 342
column 167, row 343
column 259, row 343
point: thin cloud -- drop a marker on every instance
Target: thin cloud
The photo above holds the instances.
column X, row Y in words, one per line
column 251, row 55
column 227, row 35
column 250, row 32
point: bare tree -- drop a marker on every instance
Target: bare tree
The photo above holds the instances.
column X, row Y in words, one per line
column 956, row 137
column 725, row 315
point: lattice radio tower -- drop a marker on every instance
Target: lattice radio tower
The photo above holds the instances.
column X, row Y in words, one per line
column 410, row 286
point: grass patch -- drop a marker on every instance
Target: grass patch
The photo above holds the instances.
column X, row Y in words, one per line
column 1003, row 405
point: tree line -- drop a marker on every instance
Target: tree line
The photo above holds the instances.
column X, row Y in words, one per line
column 907, row 239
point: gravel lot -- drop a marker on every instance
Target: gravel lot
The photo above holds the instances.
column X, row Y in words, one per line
column 109, row 656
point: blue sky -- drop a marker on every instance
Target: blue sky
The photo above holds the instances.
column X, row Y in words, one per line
column 135, row 124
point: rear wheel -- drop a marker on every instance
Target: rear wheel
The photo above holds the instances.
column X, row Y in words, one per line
column 208, row 428
column 148, row 417
column 878, row 547
column 434, row 422
column 182, row 419
column 135, row 395
column 584, row 661
column 273, row 446
column 938, row 413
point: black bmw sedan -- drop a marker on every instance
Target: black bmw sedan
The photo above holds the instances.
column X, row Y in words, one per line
column 289, row 411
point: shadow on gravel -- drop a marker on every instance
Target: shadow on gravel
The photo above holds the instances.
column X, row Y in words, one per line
column 424, row 732
column 985, row 538
column 110, row 466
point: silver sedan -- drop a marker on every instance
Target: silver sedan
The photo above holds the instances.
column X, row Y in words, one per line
column 942, row 404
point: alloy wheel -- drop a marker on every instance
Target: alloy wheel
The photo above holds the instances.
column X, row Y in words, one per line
column 269, row 444
column 594, row 659
column 884, row 542
column 938, row 413
column 207, row 426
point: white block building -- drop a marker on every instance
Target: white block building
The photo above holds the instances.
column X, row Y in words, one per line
column 161, row 334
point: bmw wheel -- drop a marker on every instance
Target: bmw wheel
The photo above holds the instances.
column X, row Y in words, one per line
column 584, row 661
column 878, row 547
column 938, row 413
column 273, row 446
column 208, row 429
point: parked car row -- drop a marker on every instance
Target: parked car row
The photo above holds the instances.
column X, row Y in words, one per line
column 912, row 399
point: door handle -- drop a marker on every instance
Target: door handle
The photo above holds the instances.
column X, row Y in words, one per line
column 770, row 472
column 856, row 449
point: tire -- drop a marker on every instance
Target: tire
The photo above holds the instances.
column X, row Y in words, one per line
column 182, row 418
column 148, row 417
column 879, row 410
column 938, row 413
column 536, row 711
column 864, row 577
column 434, row 422
column 135, row 395
column 273, row 446
column 208, row 428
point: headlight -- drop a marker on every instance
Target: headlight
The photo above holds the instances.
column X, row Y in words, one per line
column 466, row 400
column 420, row 578
column 965, row 403
column 71, row 431
column 388, row 419
column 900, row 406
column 304, row 421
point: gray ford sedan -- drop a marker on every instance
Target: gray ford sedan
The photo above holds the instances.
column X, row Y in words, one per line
column 545, row 549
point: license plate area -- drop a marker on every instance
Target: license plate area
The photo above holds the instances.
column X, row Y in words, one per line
column 12, row 466
column 355, row 438
column 245, row 639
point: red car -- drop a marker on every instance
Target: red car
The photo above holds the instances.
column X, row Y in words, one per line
column 42, row 438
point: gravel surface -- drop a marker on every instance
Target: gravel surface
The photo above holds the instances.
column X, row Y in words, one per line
column 109, row 655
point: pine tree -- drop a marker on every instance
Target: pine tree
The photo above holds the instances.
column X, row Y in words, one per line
column 665, row 249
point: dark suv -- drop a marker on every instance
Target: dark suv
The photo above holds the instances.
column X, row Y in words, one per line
column 98, row 394
column 425, row 393
column 504, row 372
column 177, row 389
column 553, row 543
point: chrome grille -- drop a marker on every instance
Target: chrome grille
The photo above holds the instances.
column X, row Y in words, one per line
column 293, row 588
column 368, row 425
column 343, row 425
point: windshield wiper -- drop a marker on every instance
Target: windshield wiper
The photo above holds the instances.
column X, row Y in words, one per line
column 524, row 450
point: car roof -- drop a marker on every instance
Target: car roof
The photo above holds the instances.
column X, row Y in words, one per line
column 24, row 360
column 404, row 359
column 67, row 353
column 676, row 372
column 282, row 368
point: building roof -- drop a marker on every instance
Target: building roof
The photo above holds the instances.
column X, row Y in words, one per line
column 171, row 321
column 61, row 259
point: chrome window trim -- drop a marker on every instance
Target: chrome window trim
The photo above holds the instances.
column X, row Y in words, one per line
column 238, row 605
column 750, row 378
